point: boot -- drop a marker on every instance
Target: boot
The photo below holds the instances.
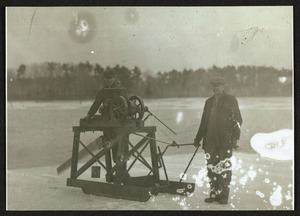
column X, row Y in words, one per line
column 121, row 176
column 209, row 200
column 212, row 197
column 222, row 201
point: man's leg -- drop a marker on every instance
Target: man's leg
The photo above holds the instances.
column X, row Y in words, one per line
column 224, row 186
column 108, row 160
column 120, row 153
column 224, row 177
column 211, row 159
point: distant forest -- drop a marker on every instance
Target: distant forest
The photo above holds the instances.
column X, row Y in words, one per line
column 56, row 81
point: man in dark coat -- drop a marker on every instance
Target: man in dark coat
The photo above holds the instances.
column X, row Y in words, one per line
column 219, row 129
column 109, row 79
column 109, row 133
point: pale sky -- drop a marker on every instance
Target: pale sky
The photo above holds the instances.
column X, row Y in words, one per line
column 152, row 38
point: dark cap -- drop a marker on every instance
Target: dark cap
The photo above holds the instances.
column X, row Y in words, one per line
column 218, row 81
column 109, row 74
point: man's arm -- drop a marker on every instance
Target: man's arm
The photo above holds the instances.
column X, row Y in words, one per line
column 236, row 111
column 95, row 106
column 237, row 122
column 200, row 133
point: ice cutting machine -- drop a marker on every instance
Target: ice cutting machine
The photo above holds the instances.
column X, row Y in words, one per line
column 124, row 116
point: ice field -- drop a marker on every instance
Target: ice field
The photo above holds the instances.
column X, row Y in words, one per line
column 39, row 139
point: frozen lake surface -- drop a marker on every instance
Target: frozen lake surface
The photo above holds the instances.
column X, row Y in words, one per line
column 39, row 139
column 257, row 184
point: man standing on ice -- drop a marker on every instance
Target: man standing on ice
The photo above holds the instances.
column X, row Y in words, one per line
column 119, row 150
column 220, row 130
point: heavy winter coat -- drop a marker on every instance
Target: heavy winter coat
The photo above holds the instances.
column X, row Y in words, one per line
column 228, row 115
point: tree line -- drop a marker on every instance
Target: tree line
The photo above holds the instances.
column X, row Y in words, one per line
column 56, row 81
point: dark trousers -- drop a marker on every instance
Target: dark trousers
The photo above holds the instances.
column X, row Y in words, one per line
column 118, row 153
column 121, row 148
column 218, row 170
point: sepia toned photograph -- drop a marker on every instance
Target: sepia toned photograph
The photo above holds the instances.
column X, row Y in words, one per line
column 150, row 108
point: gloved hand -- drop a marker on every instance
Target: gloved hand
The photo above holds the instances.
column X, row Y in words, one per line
column 196, row 143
